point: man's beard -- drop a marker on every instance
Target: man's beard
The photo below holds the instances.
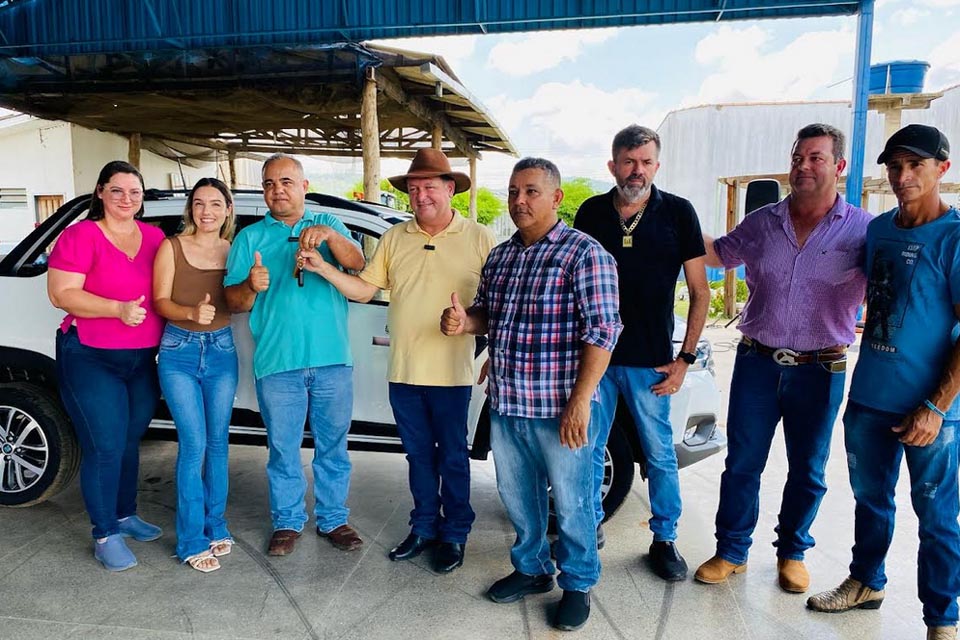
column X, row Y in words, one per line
column 633, row 194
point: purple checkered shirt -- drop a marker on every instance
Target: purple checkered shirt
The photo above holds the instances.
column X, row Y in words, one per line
column 543, row 303
column 802, row 299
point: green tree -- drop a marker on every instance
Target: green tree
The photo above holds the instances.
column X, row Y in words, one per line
column 403, row 201
column 489, row 206
column 575, row 191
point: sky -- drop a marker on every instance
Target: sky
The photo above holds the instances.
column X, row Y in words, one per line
column 563, row 95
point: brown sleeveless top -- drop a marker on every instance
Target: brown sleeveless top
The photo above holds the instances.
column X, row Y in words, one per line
column 191, row 284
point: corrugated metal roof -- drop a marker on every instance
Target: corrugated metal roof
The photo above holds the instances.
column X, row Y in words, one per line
column 63, row 27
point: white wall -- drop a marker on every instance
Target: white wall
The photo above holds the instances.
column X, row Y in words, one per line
column 705, row 143
column 34, row 155
column 93, row 149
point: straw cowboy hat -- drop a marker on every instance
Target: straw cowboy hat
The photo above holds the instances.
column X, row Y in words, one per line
column 431, row 163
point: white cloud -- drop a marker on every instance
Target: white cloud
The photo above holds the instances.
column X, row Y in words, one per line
column 909, row 16
column 945, row 63
column 522, row 55
column 573, row 123
column 941, row 4
column 747, row 71
column 454, row 49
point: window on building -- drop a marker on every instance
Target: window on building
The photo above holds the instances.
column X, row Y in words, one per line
column 47, row 206
column 13, row 198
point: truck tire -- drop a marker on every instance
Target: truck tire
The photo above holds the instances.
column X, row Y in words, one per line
column 39, row 455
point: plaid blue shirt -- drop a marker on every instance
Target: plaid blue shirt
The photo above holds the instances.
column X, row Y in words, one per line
column 544, row 303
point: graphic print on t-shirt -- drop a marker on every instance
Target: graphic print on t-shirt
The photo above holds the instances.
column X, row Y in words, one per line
column 892, row 267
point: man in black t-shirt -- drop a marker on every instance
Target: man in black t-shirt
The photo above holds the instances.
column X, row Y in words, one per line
column 651, row 234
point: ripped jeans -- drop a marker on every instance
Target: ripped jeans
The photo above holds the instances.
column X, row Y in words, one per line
column 874, row 453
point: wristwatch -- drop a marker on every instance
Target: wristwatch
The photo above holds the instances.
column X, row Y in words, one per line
column 687, row 357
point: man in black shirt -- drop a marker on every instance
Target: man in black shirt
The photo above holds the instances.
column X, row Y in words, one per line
column 651, row 234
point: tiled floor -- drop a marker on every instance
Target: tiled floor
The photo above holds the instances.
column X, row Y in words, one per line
column 51, row 587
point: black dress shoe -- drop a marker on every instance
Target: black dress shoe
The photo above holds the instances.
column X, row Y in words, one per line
column 517, row 585
column 412, row 546
column 447, row 557
column 667, row 562
column 573, row 610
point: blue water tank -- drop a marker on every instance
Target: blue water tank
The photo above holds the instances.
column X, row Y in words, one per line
column 898, row 76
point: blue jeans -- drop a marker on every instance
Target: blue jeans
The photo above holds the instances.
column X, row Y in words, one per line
column 651, row 414
column 432, row 422
column 287, row 400
column 198, row 376
column 873, row 458
column 110, row 396
column 529, row 457
column 807, row 398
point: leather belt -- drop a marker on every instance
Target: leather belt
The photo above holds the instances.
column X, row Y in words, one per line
column 791, row 358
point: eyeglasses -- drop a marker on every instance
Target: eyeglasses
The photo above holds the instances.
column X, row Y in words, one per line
column 135, row 195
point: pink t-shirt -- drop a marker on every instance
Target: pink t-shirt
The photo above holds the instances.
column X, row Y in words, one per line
column 83, row 248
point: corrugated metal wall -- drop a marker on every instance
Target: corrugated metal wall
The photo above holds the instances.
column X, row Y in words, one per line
column 57, row 27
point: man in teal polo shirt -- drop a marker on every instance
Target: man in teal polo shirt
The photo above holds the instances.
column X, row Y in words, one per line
column 301, row 358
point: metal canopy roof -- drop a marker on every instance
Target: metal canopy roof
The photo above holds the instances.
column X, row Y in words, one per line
column 256, row 99
column 266, row 75
column 45, row 27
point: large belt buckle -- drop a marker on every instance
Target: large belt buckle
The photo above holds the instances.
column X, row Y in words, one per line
column 785, row 357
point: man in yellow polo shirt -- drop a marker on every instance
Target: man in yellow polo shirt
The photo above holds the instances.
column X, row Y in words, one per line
column 421, row 261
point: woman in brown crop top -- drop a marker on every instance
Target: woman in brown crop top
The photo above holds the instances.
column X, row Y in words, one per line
column 198, row 368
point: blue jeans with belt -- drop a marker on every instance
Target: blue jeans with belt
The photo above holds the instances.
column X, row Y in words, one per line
column 198, row 376
column 806, row 397
column 110, row 396
column 432, row 422
column 874, row 453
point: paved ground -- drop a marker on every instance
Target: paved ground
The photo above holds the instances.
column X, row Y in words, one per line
column 51, row 587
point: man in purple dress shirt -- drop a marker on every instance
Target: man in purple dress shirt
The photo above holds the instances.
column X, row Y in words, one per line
column 803, row 258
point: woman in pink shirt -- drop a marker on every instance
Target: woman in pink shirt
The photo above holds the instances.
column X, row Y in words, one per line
column 101, row 274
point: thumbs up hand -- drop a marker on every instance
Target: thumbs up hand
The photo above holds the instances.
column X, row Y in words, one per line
column 204, row 312
column 453, row 322
column 131, row 313
column 259, row 278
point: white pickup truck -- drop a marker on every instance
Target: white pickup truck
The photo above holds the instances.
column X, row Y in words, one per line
column 39, row 454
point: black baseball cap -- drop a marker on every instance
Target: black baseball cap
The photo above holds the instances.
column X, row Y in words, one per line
column 923, row 140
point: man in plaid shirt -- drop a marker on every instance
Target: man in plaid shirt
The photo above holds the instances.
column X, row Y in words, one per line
column 548, row 300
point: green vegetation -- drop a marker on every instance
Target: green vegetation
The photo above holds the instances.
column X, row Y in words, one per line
column 682, row 305
column 575, row 191
column 716, row 295
column 489, row 206
column 403, row 201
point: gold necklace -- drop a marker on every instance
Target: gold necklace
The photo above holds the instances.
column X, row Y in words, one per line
column 628, row 231
column 117, row 240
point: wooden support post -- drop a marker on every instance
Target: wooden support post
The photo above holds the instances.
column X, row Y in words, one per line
column 370, row 135
column 730, row 275
column 437, row 136
column 232, row 164
column 473, row 187
column 133, row 149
